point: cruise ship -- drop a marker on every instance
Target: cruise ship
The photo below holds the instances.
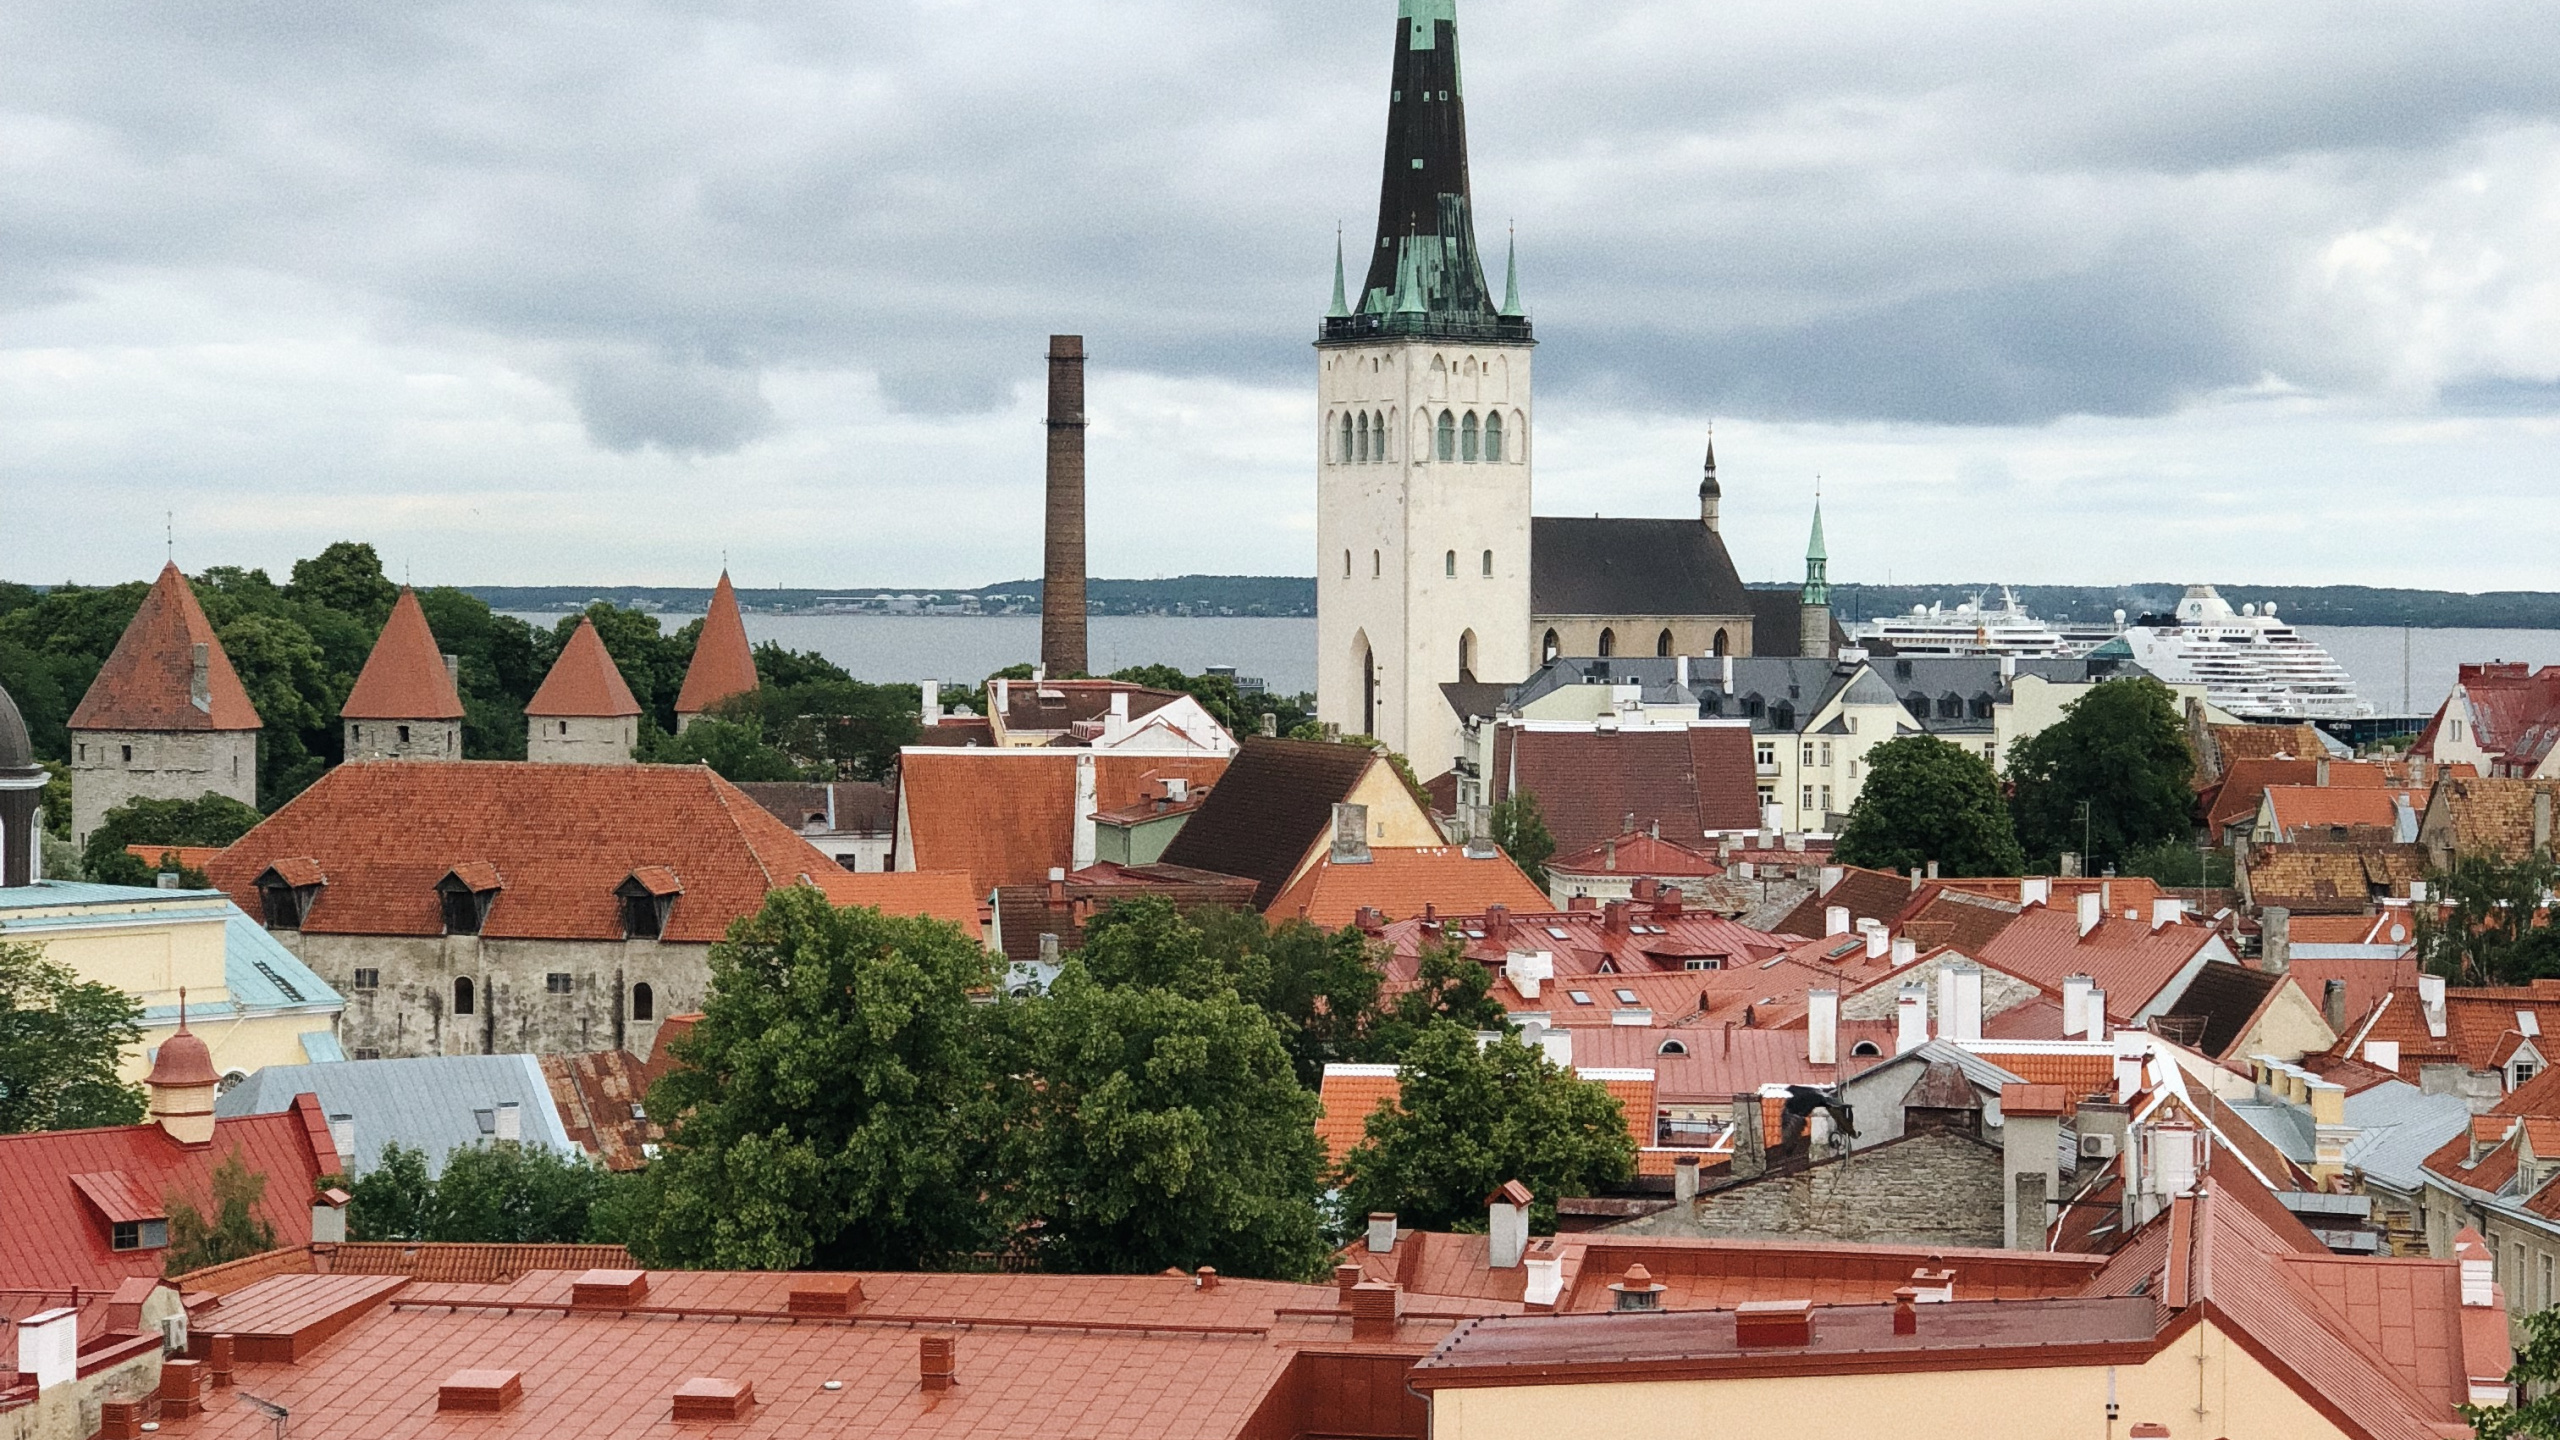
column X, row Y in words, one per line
column 2249, row 662
column 1971, row 628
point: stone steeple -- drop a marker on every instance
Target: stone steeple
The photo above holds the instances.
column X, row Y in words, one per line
column 724, row 664
column 405, row 705
column 166, row 719
column 584, row 713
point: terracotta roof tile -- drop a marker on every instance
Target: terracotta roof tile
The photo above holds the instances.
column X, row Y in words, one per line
column 192, row 857
column 942, row 894
column 602, row 1099
column 148, row 681
column 560, row 839
column 1008, row 817
column 2244, row 786
column 404, row 678
column 1401, row 881
column 1639, row 853
column 2487, row 816
column 2267, row 742
column 1026, row 912
column 1693, row 781
column 2129, row 959
column 2305, row 812
column 583, row 682
column 1866, row 894
column 2307, row 876
column 724, row 664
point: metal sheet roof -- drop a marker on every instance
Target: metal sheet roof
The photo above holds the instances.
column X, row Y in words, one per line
column 430, row 1103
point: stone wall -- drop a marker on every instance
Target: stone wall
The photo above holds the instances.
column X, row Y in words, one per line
column 552, row 740
column 110, row 768
column 409, row 1009
column 404, row 739
column 1933, row 1188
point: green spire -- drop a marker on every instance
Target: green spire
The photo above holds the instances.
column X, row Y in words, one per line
column 1817, row 563
column 1341, row 304
column 1511, row 281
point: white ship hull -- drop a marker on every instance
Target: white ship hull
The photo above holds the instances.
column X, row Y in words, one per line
column 2249, row 663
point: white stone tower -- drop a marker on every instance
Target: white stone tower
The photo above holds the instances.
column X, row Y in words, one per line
column 167, row 717
column 1423, row 456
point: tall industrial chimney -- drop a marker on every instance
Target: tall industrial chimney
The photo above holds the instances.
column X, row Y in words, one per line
column 1062, row 631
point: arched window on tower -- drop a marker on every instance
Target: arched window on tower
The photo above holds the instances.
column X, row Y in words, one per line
column 644, row 1002
column 1608, row 642
column 1346, row 564
column 1662, row 643
column 1488, row 564
column 1361, row 433
column 1378, row 427
column 1467, row 656
column 1449, row 564
column 1377, row 566
column 1721, row 642
column 1550, row 647
column 1445, row 444
column 1346, row 439
column 1493, row 437
column 1468, row 448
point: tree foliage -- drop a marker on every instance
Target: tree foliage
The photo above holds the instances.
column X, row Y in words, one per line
column 1241, row 713
column 232, row 1232
column 497, row 1192
column 209, row 819
column 60, row 1040
column 1520, row 831
column 830, row 726
column 1471, row 1116
column 2120, row 749
column 1926, row 800
column 735, row 749
column 2484, row 929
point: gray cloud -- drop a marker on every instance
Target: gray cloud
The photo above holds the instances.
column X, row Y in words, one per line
column 687, row 407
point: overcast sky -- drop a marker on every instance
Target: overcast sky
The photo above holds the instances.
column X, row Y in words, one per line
column 590, row 291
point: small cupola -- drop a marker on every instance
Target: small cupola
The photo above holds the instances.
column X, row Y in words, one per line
column 181, row 1084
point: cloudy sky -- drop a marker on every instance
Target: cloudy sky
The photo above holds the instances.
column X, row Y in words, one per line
column 590, row 291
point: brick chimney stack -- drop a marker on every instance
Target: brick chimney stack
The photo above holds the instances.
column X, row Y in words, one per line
column 1062, row 627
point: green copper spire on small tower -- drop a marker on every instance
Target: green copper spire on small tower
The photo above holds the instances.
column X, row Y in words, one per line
column 1511, row 281
column 1817, row 561
column 1341, row 303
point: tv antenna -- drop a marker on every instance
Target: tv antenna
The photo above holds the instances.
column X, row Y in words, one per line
column 271, row 1410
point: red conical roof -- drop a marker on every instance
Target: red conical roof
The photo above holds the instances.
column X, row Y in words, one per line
column 583, row 683
column 723, row 663
column 149, row 682
column 404, row 678
column 184, row 1060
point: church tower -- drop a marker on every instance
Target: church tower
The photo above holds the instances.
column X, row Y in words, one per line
column 1422, row 476
column 1813, row 605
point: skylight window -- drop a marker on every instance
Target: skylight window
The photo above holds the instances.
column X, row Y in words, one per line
column 1626, row 997
column 1579, row 997
column 1559, row 932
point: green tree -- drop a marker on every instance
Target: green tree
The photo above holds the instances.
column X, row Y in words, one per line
column 1148, row 1128
column 395, row 1200
column 52, row 648
column 781, row 669
column 2534, row 1384
column 834, row 1101
column 1321, row 990
column 1449, row 989
column 501, row 663
column 209, row 819
column 836, row 729
column 1520, row 831
column 60, row 1040
column 1470, row 1117
column 2121, row 751
column 288, row 678
column 232, row 1232
column 57, row 800
column 1926, row 800
column 2179, row 864
column 2482, row 931
column 735, row 749
column 503, row 1193
column 346, row 577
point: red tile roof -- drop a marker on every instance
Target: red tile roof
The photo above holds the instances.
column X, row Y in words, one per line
column 2305, row 812
column 2129, row 959
column 559, row 838
column 404, row 678
column 1694, row 781
column 602, row 1099
column 1865, row 894
column 942, row 894
column 724, row 664
column 1639, row 853
column 1402, row 881
column 2515, row 714
column 192, row 857
column 1649, row 949
column 55, row 1236
column 149, row 679
column 2241, row 743
column 1350, row 1094
column 1717, row 1062
column 583, row 682
column 1007, row 817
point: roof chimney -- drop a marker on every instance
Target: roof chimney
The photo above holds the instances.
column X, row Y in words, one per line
column 1382, row 1233
column 1350, row 833
column 1879, row 939
column 1906, row 1301
column 1905, row 950
column 1959, row 1002
column 938, row 1360
column 1507, row 1224
column 2479, row 1269
column 484, row 1392
column 1545, row 1283
column 2167, row 910
column 2096, row 1014
column 49, row 1347
column 2333, row 1005
column 1684, row 1178
column 2431, row 1004
column 1528, row 969
column 931, row 714
column 2035, row 890
column 510, row 1120
column 2092, row 909
column 453, row 672
column 1062, row 624
column 1726, row 662
column 1609, row 853
column 1376, row 1310
column 1773, row 1323
column 1345, row 1275
column 1613, row 917
column 1835, row 920
column 2075, row 1004
column 1822, row 1027
column 1911, row 1019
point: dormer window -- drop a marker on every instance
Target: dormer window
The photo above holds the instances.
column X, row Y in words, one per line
column 647, row 895
column 286, row 891
column 135, row 1218
column 465, row 895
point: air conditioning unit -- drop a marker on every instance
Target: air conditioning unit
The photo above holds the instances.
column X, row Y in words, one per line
column 173, row 1333
column 2097, row 1147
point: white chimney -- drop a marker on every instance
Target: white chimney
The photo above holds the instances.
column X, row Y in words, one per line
column 2431, row 1004
column 2417, row 891
column 2096, row 1014
column 931, row 713
column 2036, row 890
column 999, row 700
column 2093, row 907
column 2167, row 911
column 1684, row 1178
column 2479, row 1274
column 2075, row 1005
column 1728, row 674
column 2173, row 1159
column 1116, row 724
column 1528, row 969
column 1835, row 920
column 1085, row 846
column 2008, row 668
column 1879, row 939
column 342, row 1134
column 2132, row 1048
column 1905, row 950
column 49, row 1346
column 1558, row 1045
column 1911, row 1016
column 328, row 1223
column 1947, row 1001
column 1968, row 1018
column 1545, row 1280
column 1822, row 1027
column 1683, row 672
column 510, row 1120
column 1830, row 877
column 1382, row 1233
column 1507, row 1227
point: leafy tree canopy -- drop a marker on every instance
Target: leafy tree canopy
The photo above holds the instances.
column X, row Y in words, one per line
column 346, row 577
column 2483, row 931
column 2533, row 1382
column 1470, row 1117
column 733, row 748
column 1926, row 800
column 60, row 1039
column 830, row 727
column 2120, row 749
column 497, row 1192
column 209, row 819
column 1520, row 831
column 232, row 1232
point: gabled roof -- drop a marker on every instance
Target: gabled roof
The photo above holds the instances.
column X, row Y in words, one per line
column 2236, row 743
column 2304, row 811
column 433, row 1104
column 1009, row 816
column 56, row 1239
column 601, row 1098
column 1273, row 802
column 148, row 681
column 1024, row 913
column 557, row 839
column 851, row 806
column 1692, row 780
column 2216, row 1006
column 2130, row 960
column 404, row 678
column 1401, row 881
column 1638, row 853
column 1612, row 567
column 2515, row 713
column 1867, row 895
column 2492, row 816
column 724, row 664
column 583, row 683
column 2320, row 876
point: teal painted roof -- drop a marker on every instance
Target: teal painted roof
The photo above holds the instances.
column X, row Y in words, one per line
column 1813, row 548
column 259, row 972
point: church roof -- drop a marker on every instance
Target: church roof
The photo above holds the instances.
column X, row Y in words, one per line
column 583, row 681
column 1581, row 566
column 723, row 663
column 404, row 678
column 148, row 682
column 16, row 751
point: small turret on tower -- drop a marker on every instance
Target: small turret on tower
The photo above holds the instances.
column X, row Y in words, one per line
column 724, row 664
column 167, row 717
column 1710, row 494
column 1813, row 606
column 405, row 706
column 182, row 1083
column 584, row 714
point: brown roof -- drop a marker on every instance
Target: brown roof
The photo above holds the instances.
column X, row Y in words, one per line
column 1960, row 918
column 2210, row 1014
column 1693, row 781
column 1008, row 816
column 1274, row 802
column 559, row 839
column 2131, row 960
column 583, row 682
column 1638, row 853
column 600, row 1099
column 2492, row 817
column 857, row 806
column 149, row 679
column 724, row 664
column 2325, row 877
column 404, row 678
column 2267, row 742
column 2244, row 784
column 1026, row 912
column 1060, row 704
column 1867, row 894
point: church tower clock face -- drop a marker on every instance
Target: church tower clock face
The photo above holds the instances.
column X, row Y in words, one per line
column 1425, row 435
